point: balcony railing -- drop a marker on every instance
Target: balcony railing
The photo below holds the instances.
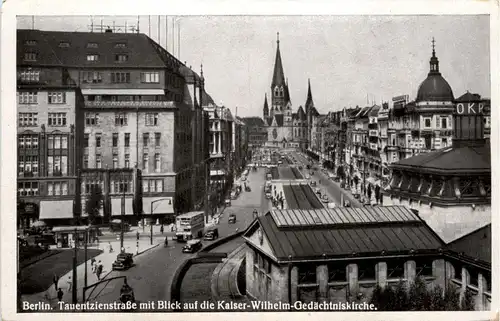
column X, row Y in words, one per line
column 130, row 104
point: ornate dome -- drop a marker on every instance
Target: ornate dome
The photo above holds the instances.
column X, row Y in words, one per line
column 434, row 87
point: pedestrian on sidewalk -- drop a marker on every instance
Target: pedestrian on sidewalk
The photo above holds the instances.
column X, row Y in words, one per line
column 70, row 284
column 161, row 229
column 92, row 265
column 98, row 270
column 60, row 294
column 56, row 280
column 110, row 247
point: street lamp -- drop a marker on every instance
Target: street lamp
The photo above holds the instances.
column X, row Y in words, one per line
column 151, row 224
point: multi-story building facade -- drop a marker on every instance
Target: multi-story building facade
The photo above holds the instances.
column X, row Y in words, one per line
column 257, row 132
column 49, row 133
column 141, row 107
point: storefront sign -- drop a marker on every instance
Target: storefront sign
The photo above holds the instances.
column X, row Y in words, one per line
column 402, row 98
column 471, row 108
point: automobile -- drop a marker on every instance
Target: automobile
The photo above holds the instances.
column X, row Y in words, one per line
column 231, row 219
column 234, row 195
column 192, row 246
column 347, row 204
column 313, row 183
column 227, row 202
column 308, row 176
column 317, row 190
column 308, row 166
column 212, row 234
column 123, row 261
column 325, row 199
column 300, row 167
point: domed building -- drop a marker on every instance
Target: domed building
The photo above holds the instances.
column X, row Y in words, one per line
column 430, row 115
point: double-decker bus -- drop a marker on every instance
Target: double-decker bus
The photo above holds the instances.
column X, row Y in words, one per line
column 190, row 225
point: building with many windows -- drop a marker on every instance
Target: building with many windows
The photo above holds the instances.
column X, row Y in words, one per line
column 141, row 106
column 49, row 132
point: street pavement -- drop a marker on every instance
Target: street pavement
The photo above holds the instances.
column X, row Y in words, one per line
column 151, row 276
column 333, row 189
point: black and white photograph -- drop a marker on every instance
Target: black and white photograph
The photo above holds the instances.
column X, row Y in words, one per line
column 177, row 163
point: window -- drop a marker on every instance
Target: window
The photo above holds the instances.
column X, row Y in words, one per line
column 307, row 273
column 444, row 123
column 127, row 161
column 437, row 122
column 115, row 139
column 121, row 58
column 127, row 139
column 337, row 272
column 57, row 188
column 91, row 119
column 98, row 139
column 98, row 161
column 120, row 45
column 30, row 56
column 151, row 119
column 30, row 75
column 57, row 119
column 28, row 166
column 395, row 269
column 444, row 142
column 150, row 77
column 92, row 45
column 120, row 119
column 427, row 123
column 27, row 141
column 91, row 77
column 85, row 161
column 57, row 165
column 57, row 97
column 145, row 162
column 27, row 97
column 115, row 161
column 93, row 57
column 424, row 267
column 145, row 140
column 27, row 188
column 57, row 142
column 159, row 185
column 28, row 119
column 157, row 163
column 120, row 77
column 86, row 140
column 157, row 139
column 366, row 270
column 31, row 43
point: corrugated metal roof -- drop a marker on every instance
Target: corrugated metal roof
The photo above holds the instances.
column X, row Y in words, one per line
column 320, row 241
column 341, row 215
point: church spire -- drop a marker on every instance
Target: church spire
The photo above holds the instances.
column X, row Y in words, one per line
column 434, row 62
column 266, row 106
column 309, row 101
column 278, row 75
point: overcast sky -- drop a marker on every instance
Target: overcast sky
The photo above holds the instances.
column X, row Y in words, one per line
column 346, row 57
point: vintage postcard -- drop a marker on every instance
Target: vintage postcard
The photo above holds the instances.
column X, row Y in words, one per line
column 180, row 162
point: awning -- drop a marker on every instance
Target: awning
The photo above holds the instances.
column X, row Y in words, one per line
column 123, row 92
column 56, row 209
column 165, row 206
column 116, row 206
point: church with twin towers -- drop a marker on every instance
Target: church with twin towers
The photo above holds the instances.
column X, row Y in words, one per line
column 286, row 128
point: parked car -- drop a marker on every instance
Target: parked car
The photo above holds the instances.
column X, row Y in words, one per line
column 313, row 183
column 300, row 167
column 347, row 204
column 192, row 246
column 212, row 234
column 123, row 261
column 317, row 190
column 231, row 219
column 228, row 202
column 325, row 199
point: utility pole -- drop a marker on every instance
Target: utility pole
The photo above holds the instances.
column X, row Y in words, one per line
column 85, row 253
column 75, row 241
column 123, row 213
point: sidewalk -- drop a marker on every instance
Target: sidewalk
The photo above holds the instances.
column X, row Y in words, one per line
column 106, row 258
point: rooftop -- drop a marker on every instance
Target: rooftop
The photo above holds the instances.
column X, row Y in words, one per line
column 476, row 245
column 335, row 233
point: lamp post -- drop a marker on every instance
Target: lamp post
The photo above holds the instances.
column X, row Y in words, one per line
column 151, row 225
column 75, row 241
column 123, row 213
